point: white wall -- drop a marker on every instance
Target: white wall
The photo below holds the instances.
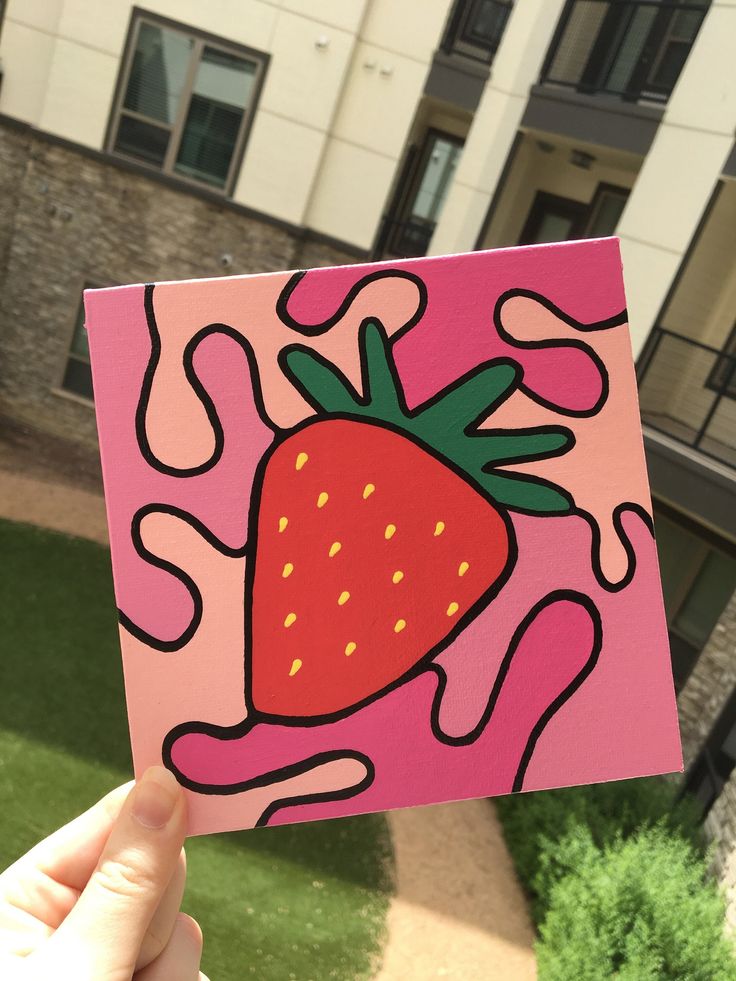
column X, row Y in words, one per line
column 331, row 121
column 680, row 170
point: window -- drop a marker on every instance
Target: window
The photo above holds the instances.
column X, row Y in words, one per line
column 421, row 192
column 185, row 102
column 557, row 219
column 722, row 377
column 78, row 373
column 698, row 580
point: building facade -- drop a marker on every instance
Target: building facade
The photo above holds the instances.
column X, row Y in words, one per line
column 184, row 139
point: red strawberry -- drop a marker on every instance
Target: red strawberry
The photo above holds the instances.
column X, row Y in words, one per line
column 379, row 532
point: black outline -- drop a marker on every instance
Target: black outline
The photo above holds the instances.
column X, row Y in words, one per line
column 198, row 388
column 571, row 595
column 617, row 522
column 150, row 558
column 314, row 330
column 228, row 733
column 615, row 321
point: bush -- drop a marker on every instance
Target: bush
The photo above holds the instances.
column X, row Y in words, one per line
column 635, row 910
column 535, row 823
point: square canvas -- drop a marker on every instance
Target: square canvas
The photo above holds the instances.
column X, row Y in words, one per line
column 382, row 534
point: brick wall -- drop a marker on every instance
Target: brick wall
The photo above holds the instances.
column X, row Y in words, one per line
column 67, row 218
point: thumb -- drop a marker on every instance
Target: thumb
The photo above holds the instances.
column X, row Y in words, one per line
column 100, row 938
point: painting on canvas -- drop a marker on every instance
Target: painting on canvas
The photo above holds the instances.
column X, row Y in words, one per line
column 381, row 534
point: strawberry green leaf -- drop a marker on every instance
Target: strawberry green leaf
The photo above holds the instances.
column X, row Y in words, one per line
column 516, row 446
column 527, row 494
column 473, row 396
column 446, row 424
column 382, row 386
column 310, row 373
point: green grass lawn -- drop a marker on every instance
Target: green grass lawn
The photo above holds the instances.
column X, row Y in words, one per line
column 302, row 902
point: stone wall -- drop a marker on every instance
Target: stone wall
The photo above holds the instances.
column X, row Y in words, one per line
column 709, row 686
column 68, row 218
column 720, row 827
column 700, row 703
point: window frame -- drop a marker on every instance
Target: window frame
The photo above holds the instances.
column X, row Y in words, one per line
column 581, row 212
column 58, row 388
column 709, row 542
column 722, row 376
column 201, row 40
column 410, row 179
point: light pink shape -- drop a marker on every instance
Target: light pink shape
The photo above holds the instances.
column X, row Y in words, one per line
column 207, row 677
column 248, row 305
column 120, row 349
column 606, row 466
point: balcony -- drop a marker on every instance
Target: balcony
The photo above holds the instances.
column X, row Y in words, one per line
column 630, row 49
column 687, row 390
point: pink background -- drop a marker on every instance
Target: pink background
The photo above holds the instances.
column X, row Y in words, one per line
column 622, row 720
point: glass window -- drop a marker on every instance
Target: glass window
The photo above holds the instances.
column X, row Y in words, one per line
column 185, row 103
column 78, row 373
column 435, row 180
column 606, row 209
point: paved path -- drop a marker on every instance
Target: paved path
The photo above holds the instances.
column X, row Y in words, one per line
column 458, row 912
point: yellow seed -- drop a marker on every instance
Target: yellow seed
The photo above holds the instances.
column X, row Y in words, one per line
column 368, row 490
column 463, row 568
column 399, row 626
column 397, row 576
column 322, row 499
column 334, row 549
column 439, row 528
column 452, row 609
column 301, row 460
column 290, row 618
column 295, row 665
column 389, row 532
column 287, row 570
column 283, row 522
column 343, row 598
column 349, row 648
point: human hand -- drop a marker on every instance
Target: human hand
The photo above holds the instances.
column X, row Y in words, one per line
column 99, row 899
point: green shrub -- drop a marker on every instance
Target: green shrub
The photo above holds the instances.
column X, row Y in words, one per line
column 535, row 823
column 635, row 910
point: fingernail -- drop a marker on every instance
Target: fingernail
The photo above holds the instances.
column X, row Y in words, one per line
column 155, row 797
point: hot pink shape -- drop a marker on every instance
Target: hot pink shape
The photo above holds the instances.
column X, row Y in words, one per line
column 395, row 733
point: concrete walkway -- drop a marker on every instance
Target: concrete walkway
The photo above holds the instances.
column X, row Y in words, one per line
column 458, row 912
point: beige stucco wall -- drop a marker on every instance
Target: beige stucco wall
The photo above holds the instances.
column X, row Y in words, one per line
column 515, row 68
column 680, row 170
column 332, row 119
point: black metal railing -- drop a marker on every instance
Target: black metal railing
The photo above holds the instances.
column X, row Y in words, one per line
column 403, row 239
column 688, row 391
column 634, row 49
column 475, row 28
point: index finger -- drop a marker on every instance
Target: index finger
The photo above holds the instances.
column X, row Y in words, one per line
column 70, row 855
